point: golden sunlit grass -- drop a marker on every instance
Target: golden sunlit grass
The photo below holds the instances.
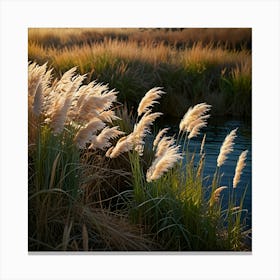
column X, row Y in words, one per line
column 134, row 61
column 239, row 37
column 91, row 190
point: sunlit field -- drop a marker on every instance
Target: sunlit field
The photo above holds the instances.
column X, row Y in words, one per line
column 192, row 65
column 107, row 168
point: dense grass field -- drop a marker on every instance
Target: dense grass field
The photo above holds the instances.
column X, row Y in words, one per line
column 101, row 180
column 193, row 65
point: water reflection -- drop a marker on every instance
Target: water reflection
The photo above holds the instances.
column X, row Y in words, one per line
column 216, row 132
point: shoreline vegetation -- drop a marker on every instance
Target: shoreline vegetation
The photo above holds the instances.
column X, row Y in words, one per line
column 193, row 65
column 97, row 184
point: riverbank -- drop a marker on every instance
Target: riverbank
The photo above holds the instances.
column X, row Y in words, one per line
column 95, row 186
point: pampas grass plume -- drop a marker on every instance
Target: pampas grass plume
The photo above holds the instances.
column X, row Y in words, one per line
column 84, row 135
column 124, row 144
column 149, row 100
column 216, row 195
column 202, row 144
column 159, row 136
column 167, row 155
column 101, row 141
column 239, row 167
column 142, row 128
column 226, row 148
column 198, row 112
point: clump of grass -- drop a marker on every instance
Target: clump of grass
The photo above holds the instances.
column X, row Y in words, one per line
column 69, row 207
column 91, row 190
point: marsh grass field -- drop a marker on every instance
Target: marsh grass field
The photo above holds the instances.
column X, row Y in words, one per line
column 103, row 174
column 192, row 65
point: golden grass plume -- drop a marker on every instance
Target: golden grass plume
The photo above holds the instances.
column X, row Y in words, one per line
column 124, row 144
column 159, row 136
column 142, row 128
column 167, row 154
column 226, row 147
column 239, row 167
column 149, row 100
column 102, row 140
column 194, row 119
column 216, row 195
column 84, row 135
column 202, row 144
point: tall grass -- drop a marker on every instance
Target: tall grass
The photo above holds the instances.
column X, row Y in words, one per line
column 233, row 38
column 191, row 74
column 93, row 186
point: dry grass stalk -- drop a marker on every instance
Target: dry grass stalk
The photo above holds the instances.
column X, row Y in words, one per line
column 84, row 135
column 38, row 86
column 102, row 140
column 92, row 100
column 202, row 144
column 108, row 116
column 60, row 99
column 134, row 140
column 85, row 237
column 164, row 160
column 38, row 100
column 54, row 170
column 239, row 167
column 196, row 129
column 193, row 114
column 226, row 147
column 149, row 100
column 216, row 195
column 125, row 144
column 159, row 136
column 200, row 166
column 66, row 235
column 59, row 114
column 142, row 128
column 163, row 145
column 93, row 105
column 35, row 75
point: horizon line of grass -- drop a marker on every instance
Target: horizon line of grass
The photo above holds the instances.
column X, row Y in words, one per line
column 200, row 73
column 180, row 38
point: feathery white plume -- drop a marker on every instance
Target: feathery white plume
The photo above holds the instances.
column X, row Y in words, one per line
column 195, row 119
column 226, row 147
column 239, row 167
column 167, row 155
column 159, row 136
column 149, row 100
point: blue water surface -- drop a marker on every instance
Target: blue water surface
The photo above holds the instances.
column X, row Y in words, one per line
column 216, row 131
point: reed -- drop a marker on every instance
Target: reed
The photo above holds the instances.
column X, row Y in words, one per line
column 226, row 147
column 166, row 156
column 149, row 100
column 239, row 168
column 93, row 186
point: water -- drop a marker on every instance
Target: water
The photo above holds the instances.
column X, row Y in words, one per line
column 216, row 131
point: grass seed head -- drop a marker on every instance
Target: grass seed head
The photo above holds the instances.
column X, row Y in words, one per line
column 198, row 112
column 149, row 100
column 159, row 136
column 239, row 167
column 226, row 148
column 165, row 159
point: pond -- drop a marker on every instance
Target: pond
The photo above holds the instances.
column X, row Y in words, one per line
column 216, row 131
